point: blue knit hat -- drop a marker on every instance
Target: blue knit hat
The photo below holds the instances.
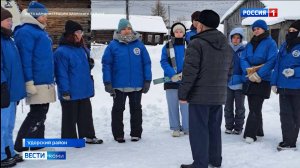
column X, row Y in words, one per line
column 36, row 9
column 261, row 24
column 123, row 23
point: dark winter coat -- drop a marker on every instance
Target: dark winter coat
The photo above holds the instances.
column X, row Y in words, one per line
column 72, row 72
column 208, row 63
column 11, row 69
column 126, row 65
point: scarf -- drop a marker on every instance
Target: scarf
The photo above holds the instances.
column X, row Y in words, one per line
column 257, row 39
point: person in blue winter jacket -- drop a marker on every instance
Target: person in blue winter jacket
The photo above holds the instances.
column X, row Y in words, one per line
column 193, row 29
column 75, row 84
column 12, row 90
column 126, row 68
column 35, row 47
column 286, row 82
column 257, row 62
column 173, row 70
column 234, row 122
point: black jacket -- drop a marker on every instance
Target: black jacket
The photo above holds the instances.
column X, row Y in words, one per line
column 207, row 67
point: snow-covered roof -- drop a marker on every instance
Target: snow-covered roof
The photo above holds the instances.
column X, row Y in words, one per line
column 287, row 10
column 187, row 24
column 139, row 22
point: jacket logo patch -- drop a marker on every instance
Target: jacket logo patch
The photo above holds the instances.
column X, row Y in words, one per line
column 296, row 53
column 137, row 51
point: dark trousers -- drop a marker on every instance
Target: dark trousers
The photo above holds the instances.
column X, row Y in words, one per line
column 135, row 113
column 289, row 118
column 234, row 121
column 77, row 112
column 33, row 125
column 205, row 134
column 254, row 124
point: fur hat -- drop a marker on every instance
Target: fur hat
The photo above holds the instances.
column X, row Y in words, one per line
column 72, row 26
column 209, row 18
column 5, row 14
column 36, row 9
column 195, row 15
column 177, row 26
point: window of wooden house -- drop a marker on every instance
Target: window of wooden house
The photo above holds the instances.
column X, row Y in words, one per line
column 157, row 39
column 149, row 39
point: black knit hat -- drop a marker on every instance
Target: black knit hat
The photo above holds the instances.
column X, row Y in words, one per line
column 195, row 15
column 72, row 26
column 209, row 18
column 296, row 25
column 5, row 14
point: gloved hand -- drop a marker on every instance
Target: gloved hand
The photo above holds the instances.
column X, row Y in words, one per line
column 30, row 88
column 5, row 97
column 66, row 96
column 288, row 72
column 177, row 77
column 146, row 86
column 274, row 89
column 91, row 63
column 109, row 89
column 254, row 78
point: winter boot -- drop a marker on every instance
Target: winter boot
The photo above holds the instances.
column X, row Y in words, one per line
column 135, row 139
column 237, row 132
column 120, row 140
column 249, row 140
column 176, row 133
column 18, row 158
column 9, row 162
column 186, row 166
column 93, row 141
column 228, row 131
column 283, row 146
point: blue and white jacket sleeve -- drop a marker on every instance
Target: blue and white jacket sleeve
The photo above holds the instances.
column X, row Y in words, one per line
column 61, row 72
column 107, row 63
column 3, row 77
column 26, row 53
column 165, row 64
column 146, row 64
column 271, row 58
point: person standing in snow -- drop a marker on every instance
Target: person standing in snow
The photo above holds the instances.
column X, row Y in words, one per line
column 35, row 48
column 234, row 122
column 75, row 84
column 286, row 81
column 126, row 67
column 207, row 65
column 173, row 70
column 12, row 90
column 260, row 51
column 193, row 29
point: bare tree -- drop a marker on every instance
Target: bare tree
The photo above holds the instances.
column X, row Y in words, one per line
column 160, row 10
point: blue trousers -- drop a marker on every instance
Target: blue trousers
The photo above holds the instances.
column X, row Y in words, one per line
column 173, row 108
column 205, row 134
column 8, row 118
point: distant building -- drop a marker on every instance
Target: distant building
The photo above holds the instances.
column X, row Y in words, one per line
column 151, row 28
column 288, row 12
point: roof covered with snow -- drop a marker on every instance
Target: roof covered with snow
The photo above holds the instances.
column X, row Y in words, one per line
column 287, row 10
column 139, row 23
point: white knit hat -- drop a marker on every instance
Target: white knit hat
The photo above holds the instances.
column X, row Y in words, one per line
column 179, row 27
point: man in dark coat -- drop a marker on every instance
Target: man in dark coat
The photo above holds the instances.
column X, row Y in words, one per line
column 208, row 64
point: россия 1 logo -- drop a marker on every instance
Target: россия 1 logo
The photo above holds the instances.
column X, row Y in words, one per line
column 259, row 12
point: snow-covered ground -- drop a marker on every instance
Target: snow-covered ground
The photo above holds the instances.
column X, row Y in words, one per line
column 158, row 149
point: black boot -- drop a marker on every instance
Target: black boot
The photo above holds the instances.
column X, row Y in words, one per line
column 283, row 146
column 9, row 162
column 18, row 158
column 186, row 166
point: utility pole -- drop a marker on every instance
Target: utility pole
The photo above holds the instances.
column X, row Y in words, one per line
column 169, row 13
column 127, row 9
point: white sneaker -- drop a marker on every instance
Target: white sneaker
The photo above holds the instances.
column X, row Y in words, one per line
column 176, row 133
column 249, row 140
column 228, row 131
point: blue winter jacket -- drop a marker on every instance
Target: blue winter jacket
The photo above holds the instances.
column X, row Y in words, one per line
column 11, row 69
column 189, row 34
column 165, row 60
column 287, row 60
column 35, row 48
column 236, row 77
column 126, row 65
column 265, row 53
column 72, row 72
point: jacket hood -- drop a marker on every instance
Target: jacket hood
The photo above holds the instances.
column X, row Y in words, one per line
column 238, row 30
column 214, row 37
column 27, row 18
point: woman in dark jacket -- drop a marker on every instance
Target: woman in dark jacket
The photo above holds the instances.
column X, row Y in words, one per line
column 75, row 84
column 286, row 82
column 260, row 51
